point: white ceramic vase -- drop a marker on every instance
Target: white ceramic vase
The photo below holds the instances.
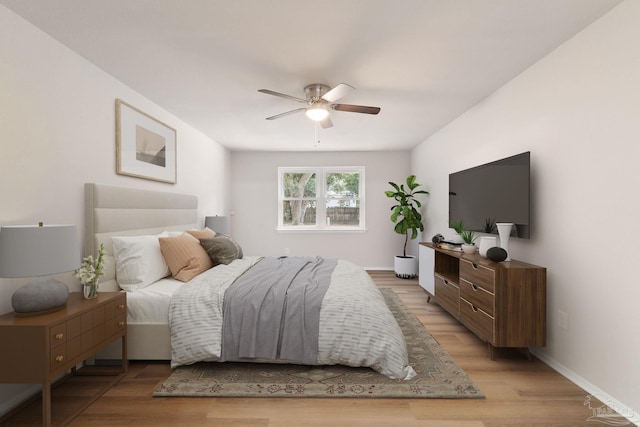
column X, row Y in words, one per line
column 504, row 230
column 486, row 243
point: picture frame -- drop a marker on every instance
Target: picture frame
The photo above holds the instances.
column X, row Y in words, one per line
column 145, row 146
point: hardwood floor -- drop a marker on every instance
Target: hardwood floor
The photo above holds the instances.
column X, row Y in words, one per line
column 519, row 392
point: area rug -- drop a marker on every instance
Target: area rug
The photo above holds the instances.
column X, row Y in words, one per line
column 438, row 375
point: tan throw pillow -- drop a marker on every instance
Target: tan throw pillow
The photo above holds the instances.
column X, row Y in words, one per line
column 205, row 233
column 184, row 255
column 221, row 249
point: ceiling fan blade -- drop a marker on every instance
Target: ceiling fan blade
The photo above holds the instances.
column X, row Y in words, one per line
column 338, row 92
column 282, row 95
column 356, row 108
column 277, row 116
column 326, row 123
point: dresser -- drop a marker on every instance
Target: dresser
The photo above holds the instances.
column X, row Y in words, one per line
column 503, row 303
column 40, row 348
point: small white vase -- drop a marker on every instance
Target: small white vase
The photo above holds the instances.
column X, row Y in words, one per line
column 486, row 243
column 504, row 230
column 468, row 249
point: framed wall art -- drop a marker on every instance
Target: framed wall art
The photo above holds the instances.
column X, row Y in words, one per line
column 145, row 147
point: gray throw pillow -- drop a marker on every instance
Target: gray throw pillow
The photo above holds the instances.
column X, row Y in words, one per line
column 221, row 249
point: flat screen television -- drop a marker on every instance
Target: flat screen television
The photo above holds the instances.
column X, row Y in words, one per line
column 494, row 192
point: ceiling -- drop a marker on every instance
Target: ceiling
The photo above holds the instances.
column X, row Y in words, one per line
column 424, row 62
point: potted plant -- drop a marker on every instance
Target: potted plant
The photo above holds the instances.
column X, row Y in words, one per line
column 468, row 237
column 408, row 222
column 458, row 227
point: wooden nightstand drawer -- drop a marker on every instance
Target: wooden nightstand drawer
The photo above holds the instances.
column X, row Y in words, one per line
column 116, row 308
column 58, row 357
column 58, row 335
column 477, row 274
column 477, row 320
column 99, row 316
column 99, row 333
column 74, row 347
column 447, row 295
column 74, row 327
column 86, row 322
column 478, row 296
column 116, row 325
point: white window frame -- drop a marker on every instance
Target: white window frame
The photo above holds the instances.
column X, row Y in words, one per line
column 321, row 198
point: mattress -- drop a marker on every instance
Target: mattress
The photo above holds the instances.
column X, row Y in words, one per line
column 151, row 304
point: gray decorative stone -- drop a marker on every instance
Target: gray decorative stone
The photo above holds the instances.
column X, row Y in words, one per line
column 39, row 295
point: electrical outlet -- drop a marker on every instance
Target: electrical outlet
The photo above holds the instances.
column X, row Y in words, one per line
column 563, row 319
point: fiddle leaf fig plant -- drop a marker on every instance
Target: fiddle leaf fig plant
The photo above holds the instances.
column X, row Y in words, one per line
column 405, row 212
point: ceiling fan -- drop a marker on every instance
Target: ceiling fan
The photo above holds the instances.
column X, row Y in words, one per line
column 320, row 98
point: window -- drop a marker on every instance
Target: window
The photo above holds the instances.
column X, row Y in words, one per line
column 321, row 198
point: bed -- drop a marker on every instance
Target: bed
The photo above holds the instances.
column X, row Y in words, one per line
column 355, row 326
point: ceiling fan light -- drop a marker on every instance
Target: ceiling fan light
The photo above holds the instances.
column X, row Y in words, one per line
column 317, row 114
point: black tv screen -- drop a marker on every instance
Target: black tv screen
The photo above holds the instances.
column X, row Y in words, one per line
column 494, row 192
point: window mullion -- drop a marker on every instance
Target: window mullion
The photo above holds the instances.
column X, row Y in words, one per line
column 321, row 192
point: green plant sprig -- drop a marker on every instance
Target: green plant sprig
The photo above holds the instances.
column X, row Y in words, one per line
column 468, row 236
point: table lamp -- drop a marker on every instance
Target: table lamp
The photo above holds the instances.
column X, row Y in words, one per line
column 219, row 224
column 38, row 251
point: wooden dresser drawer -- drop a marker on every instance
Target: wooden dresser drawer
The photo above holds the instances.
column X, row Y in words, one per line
column 116, row 317
column 477, row 320
column 478, row 296
column 58, row 335
column 478, row 274
column 58, row 357
column 116, row 325
column 116, row 308
column 447, row 295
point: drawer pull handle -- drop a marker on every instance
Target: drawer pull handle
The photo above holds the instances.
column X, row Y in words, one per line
column 120, row 306
column 120, row 324
column 474, row 265
column 474, row 308
column 59, row 358
column 475, row 287
column 59, row 336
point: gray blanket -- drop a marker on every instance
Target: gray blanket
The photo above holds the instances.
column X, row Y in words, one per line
column 272, row 311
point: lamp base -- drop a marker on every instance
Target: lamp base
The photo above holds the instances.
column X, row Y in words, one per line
column 40, row 296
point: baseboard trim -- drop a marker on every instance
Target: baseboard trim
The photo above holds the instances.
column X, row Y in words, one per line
column 632, row 416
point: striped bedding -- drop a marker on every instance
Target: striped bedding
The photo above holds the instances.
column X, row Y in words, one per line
column 356, row 327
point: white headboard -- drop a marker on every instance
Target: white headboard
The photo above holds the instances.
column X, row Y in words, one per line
column 120, row 211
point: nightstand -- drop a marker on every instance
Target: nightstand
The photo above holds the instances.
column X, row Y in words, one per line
column 39, row 349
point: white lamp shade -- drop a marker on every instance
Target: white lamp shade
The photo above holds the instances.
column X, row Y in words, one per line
column 219, row 224
column 30, row 251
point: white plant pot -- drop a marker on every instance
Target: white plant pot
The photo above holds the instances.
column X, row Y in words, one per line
column 405, row 267
column 468, row 249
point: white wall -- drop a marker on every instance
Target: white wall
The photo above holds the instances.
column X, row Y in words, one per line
column 254, row 203
column 578, row 112
column 57, row 131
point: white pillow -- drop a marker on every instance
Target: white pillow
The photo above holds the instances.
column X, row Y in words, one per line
column 139, row 261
